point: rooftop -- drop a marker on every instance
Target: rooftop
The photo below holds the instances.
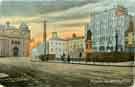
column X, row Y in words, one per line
column 4, row 26
column 67, row 39
column 58, row 39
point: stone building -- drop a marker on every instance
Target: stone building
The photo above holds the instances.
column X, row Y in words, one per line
column 72, row 47
column 13, row 41
column 57, row 45
column 76, row 46
column 108, row 29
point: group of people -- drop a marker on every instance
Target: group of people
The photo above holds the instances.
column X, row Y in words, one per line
column 68, row 59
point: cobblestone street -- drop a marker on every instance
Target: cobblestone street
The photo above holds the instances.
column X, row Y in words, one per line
column 25, row 73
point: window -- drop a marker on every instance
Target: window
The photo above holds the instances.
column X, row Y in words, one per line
column 12, row 42
column 59, row 50
column 51, row 43
column 15, row 42
column 51, row 49
column 18, row 42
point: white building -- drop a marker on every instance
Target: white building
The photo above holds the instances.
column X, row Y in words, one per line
column 108, row 29
column 72, row 47
column 58, row 47
column 13, row 41
column 76, row 47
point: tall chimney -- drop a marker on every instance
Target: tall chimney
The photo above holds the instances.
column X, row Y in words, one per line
column 44, row 37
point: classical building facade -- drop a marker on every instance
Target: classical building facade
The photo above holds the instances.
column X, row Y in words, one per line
column 57, row 46
column 13, row 41
column 108, row 29
column 71, row 47
column 76, row 46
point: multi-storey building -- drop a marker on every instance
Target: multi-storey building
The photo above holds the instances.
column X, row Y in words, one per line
column 13, row 41
column 76, row 46
column 108, row 29
column 71, row 47
column 58, row 47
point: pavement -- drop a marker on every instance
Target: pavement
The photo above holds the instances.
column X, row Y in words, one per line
column 25, row 73
column 100, row 63
column 124, row 64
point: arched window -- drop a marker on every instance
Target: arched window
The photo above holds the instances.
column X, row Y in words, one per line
column 15, row 51
column 89, row 34
column 12, row 42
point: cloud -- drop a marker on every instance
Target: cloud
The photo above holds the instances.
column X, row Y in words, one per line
column 61, row 14
column 76, row 12
column 36, row 7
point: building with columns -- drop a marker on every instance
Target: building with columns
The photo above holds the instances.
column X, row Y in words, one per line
column 108, row 29
column 57, row 45
column 70, row 47
column 76, row 46
column 13, row 41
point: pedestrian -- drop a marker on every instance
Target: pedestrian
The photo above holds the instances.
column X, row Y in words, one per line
column 63, row 57
column 68, row 59
column 47, row 58
column 80, row 55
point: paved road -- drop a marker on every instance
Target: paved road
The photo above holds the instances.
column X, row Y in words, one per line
column 98, row 63
column 24, row 73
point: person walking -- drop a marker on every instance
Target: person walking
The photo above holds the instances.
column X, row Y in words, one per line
column 80, row 56
column 63, row 57
column 68, row 59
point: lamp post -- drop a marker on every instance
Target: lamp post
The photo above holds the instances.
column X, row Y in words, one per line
column 116, row 38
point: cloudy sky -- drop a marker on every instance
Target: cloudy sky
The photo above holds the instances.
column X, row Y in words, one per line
column 61, row 15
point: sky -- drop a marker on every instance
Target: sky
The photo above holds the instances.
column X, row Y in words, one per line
column 65, row 16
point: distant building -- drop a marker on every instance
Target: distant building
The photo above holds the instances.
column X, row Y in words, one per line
column 13, row 41
column 57, row 46
column 108, row 29
column 130, row 37
column 72, row 47
column 76, row 46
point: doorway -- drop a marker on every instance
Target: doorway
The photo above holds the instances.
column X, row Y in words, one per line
column 15, row 51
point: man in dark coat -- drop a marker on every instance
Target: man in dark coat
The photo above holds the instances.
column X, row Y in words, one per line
column 68, row 59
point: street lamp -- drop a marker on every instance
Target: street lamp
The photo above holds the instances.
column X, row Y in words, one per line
column 116, row 38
